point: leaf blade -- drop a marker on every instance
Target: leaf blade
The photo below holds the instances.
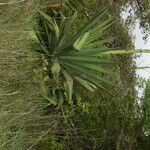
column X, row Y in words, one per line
column 69, row 84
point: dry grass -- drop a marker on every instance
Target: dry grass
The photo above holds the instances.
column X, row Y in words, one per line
column 21, row 122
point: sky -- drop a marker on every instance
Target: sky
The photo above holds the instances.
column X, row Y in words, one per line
column 144, row 60
column 139, row 43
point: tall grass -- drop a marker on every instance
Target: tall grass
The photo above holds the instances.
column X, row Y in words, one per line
column 22, row 121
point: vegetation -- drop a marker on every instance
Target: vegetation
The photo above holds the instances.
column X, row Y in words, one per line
column 48, row 65
column 72, row 58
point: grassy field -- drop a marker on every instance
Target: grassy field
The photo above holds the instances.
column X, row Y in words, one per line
column 20, row 108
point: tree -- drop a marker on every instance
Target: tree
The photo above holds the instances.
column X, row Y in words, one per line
column 138, row 12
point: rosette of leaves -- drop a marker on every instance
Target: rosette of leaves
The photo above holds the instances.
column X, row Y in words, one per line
column 73, row 58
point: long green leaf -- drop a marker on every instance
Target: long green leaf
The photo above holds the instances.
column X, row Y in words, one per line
column 88, row 78
column 144, row 67
column 56, row 31
column 86, row 27
column 64, row 28
column 89, row 86
column 88, row 72
column 42, row 44
column 91, row 52
column 47, row 34
column 69, row 84
column 90, row 24
column 96, row 68
column 99, row 43
column 69, row 21
column 52, row 24
column 80, row 41
column 88, row 59
column 49, row 19
column 119, row 52
column 95, row 32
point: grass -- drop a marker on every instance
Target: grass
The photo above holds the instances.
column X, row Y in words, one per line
column 20, row 104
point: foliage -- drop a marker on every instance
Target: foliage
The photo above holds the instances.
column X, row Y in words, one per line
column 147, row 108
column 138, row 11
column 72, row 58
column 98, row 121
